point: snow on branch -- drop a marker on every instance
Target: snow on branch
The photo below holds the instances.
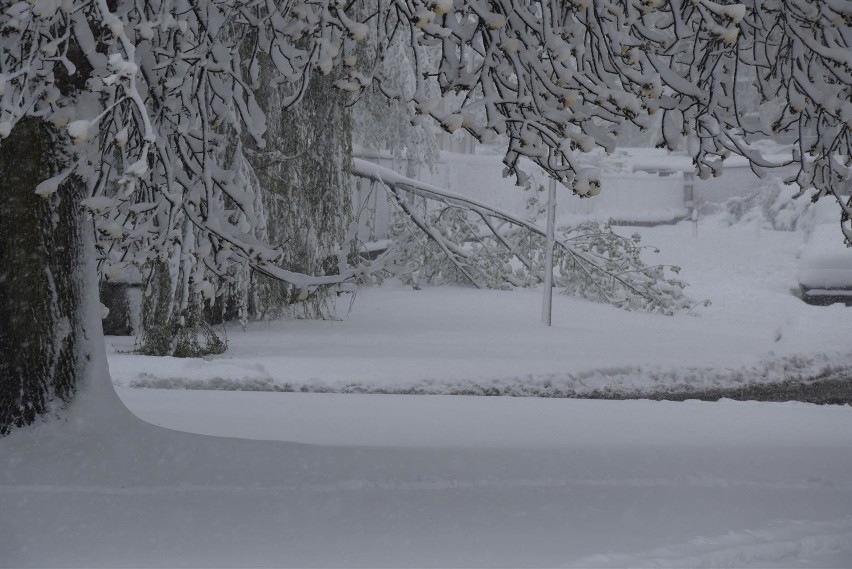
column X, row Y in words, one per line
column 489, row 247
column 155, row 96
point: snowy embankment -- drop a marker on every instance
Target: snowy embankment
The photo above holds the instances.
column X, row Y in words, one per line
column 450, row 340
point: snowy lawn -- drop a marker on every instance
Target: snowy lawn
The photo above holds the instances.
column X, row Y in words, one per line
column 462, row 340
column 343, row 480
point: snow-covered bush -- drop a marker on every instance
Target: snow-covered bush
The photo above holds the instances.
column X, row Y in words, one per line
column 772, row 205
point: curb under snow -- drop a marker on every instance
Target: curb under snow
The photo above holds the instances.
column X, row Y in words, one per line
column 819, row 379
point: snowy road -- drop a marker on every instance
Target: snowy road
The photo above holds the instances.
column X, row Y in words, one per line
column 579, row 483
column 435, row 481
column 493, row 422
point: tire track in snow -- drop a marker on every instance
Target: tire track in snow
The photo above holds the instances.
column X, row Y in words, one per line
column 424, row 485
column 779, row 542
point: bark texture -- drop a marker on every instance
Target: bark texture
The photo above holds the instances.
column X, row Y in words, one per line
column 41, row 277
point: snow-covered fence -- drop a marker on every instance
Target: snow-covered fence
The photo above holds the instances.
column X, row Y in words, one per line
column 649, row 186
column 638, row 197
column 372, row 210
column 737, row 179
column 632, row 197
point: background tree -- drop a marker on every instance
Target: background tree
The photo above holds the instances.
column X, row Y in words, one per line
column 167, row 88
column 383, row 112
column 304, row 175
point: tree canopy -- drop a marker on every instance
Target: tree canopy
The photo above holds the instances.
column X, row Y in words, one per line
column 154, row 97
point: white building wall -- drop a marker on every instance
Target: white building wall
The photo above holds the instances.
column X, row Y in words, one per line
column 652, row 193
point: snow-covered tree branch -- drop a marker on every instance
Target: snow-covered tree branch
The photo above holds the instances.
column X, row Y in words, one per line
column 166, row 89
column 443, row 232
column 559, row 78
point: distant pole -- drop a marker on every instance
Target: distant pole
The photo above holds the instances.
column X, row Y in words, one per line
column 691, row 200
column 694, row 216
column 547, row 301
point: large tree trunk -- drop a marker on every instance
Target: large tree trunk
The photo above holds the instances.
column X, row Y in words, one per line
column 43, row 341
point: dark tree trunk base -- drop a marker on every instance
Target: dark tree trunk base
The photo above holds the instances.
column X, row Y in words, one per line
column 41, row 277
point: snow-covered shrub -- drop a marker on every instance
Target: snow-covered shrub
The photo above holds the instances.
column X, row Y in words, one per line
column 173, row 320
column 772, row 205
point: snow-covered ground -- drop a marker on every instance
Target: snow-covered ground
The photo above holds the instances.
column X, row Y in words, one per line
column 461, row 340
column 348, row 480
column 402, row 481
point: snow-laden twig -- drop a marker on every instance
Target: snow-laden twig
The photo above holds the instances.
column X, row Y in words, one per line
column 174, row 86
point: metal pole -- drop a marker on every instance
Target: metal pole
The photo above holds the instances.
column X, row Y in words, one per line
column 547, row 301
